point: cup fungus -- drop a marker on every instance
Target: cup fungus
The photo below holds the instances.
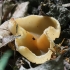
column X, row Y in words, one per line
column 37, row 35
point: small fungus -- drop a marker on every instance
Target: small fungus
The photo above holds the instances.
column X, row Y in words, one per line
column 36, row 36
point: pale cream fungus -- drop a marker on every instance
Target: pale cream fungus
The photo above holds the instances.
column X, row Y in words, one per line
column 37, row 35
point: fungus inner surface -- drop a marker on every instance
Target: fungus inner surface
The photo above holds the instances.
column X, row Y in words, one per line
column 35, row 39
column 36, row 24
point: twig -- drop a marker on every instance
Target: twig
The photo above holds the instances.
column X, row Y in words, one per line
column 66, row 5
column 61, row 42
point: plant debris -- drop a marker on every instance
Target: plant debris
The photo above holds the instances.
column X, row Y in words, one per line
column 21, row 10
column 4, row 41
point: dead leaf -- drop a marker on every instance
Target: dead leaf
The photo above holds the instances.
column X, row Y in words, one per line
column 5, row 40
column 21, row 10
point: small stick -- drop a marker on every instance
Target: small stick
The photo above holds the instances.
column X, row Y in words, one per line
column 66, row 5
column 61, row 43
column 52, row 50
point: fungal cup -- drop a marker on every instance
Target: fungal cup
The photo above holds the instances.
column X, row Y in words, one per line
column 37, row 36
